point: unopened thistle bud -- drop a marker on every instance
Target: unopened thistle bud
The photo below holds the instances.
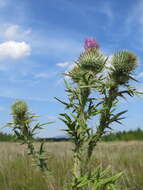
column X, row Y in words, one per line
column 19, row 111
column 124, row 61
column 19, row 107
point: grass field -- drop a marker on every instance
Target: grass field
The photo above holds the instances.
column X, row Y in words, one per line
column 17, row 171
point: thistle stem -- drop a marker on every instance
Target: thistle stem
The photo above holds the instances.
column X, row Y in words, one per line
column 103, row 124
column 77, row 169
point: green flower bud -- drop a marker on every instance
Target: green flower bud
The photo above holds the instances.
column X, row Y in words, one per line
column 19, row 107
column 91, row 60
column 90, row 63
column 19, row 112
column 124, row 63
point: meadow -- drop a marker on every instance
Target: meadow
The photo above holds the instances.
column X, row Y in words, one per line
column 17, row 170
column 94, row 91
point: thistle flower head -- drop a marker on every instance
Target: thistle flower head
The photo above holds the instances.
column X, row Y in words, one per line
column 124, row 63
column 89, row 63
column 19, row 111
column 91, row 43
column 19, row 107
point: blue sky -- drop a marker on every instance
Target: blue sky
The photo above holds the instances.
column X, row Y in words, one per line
column 40, row 39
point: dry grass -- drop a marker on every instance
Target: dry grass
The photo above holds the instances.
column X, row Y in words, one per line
column 18, row 173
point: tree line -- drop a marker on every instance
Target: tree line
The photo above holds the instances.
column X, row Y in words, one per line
column 130, row 135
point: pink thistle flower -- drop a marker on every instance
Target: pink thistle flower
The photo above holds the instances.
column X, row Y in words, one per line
column 90, row 43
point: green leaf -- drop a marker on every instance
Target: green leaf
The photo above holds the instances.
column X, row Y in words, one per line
column 61, row 101
column 116, row 117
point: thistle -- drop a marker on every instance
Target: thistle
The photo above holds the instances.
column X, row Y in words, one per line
column 24, row 129
column 92, row 93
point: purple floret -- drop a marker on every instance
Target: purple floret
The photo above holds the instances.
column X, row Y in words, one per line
column 91, row 43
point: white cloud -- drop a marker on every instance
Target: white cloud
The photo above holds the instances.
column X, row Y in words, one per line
column 109, row 61
column 14, row 50
column 45, row 75
column 2, row 108
column 64, row 64
column 52, row 117
column 135, row 19
column 3, row 3
column 11, row 31
column 42, row 75
column 69, row 65
column 54, row 46
column 14, row 31
column 140, row 75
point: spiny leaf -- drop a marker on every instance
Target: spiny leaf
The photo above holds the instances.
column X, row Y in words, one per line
column 61, row 101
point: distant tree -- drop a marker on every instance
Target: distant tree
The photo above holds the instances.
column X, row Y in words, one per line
column 124, row 136
column 6, row 137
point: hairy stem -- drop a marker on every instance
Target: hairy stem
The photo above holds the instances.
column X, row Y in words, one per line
column 78, row 151
column 31, row 147
column 103, row 124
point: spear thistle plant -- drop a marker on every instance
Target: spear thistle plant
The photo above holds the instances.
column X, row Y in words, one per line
column 94, row 91
column 24, row 129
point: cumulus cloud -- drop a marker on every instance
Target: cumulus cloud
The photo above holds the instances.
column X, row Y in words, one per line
column 14, row 31
column 14, row 50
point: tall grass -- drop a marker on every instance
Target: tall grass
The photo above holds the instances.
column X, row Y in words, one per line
column 17, row 170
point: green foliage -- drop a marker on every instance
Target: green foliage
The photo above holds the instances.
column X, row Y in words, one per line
column 7, row 137
column 108, row 137
column 124, row 136
column 99, row 180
